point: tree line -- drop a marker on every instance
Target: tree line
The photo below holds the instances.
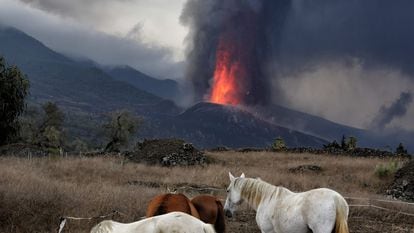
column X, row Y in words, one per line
column 44, row 127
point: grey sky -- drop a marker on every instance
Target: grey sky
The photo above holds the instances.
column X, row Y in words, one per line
column 145, row 34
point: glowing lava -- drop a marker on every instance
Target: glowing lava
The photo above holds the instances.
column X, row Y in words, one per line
column 225, row 88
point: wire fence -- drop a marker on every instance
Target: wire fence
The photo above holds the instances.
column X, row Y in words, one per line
column 64, row 219
column 371, row 205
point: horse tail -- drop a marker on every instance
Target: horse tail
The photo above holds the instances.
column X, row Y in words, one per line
column 208, row 228
column 220, row 224
column 342, row 210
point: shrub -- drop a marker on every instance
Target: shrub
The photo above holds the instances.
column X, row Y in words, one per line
column 121, row 127
column 386, row 170
column 279, row 144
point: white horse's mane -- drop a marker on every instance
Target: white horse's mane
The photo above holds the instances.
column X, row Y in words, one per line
column 255, row 190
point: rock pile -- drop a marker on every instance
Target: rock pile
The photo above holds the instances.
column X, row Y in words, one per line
column 167, row 152
column 403, row 185
column 357, row 152
column 306, row 168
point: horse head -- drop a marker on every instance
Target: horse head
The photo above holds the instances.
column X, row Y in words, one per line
column 233, row 199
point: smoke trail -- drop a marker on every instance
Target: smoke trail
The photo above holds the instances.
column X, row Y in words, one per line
column 395, row 110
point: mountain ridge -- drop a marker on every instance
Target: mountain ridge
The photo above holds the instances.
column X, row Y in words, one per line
column 71, row 83
column 165, row 88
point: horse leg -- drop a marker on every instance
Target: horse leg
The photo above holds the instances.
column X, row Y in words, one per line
column 323, row 228
column 264, row 225
column 322, row 231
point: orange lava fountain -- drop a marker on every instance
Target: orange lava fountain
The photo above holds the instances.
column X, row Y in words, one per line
column 225, row 88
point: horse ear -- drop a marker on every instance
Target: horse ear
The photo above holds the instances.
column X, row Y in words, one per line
column 231, row 176
column 242, row 175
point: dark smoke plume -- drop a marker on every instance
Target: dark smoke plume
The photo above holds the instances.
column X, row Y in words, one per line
column 281, row 37
column 243, row 25
column 395, row 110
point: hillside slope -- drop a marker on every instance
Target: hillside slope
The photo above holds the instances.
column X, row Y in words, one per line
column 166, row 88
column 72, row 84
column 209, row 125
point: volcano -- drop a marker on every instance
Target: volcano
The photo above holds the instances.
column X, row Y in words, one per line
column 209, row 125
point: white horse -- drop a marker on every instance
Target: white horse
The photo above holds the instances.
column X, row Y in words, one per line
column 282, row 211
column 174, row 222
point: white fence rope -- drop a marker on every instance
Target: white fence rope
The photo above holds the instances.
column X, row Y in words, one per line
column 380, row 200
column 64, row 219
column 382, row 208
column 369, row 205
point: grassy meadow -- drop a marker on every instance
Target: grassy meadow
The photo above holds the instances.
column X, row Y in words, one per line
column 35, row 192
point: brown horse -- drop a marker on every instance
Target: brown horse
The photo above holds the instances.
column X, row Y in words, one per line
column 166, row 203
column 211, row 211
column 205, row 207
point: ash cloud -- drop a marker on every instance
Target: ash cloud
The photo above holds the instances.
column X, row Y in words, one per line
column 243, row 24
column 397, row 109
column 379, row 31
column 312, row 46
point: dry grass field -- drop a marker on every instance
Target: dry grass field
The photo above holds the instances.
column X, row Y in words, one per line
column 34, row 193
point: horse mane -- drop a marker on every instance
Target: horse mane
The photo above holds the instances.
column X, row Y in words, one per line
column 254, row 190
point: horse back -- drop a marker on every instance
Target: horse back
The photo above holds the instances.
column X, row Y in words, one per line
column 166, row 203
column 210, row 210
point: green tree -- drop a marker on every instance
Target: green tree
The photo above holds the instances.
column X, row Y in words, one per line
column 29, row 125
column 279, row 144
column 51, row 128
column 79, row 146
column 14, row 87
column 344, row 144
column 400, row 150
column 351, row 143
column 332, row 145
column 121, row 126
column 54, row 117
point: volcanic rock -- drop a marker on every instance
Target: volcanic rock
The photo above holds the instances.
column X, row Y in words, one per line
column 403, row 185
column 305, row 168
column 167, row 152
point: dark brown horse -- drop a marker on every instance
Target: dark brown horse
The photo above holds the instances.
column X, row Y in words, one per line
column 166, row 203
column 205, row 207
column 211, row 211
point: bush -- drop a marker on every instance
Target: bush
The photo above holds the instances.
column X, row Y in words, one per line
column 279, row 144
column 121, row 127
column 386, row 170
